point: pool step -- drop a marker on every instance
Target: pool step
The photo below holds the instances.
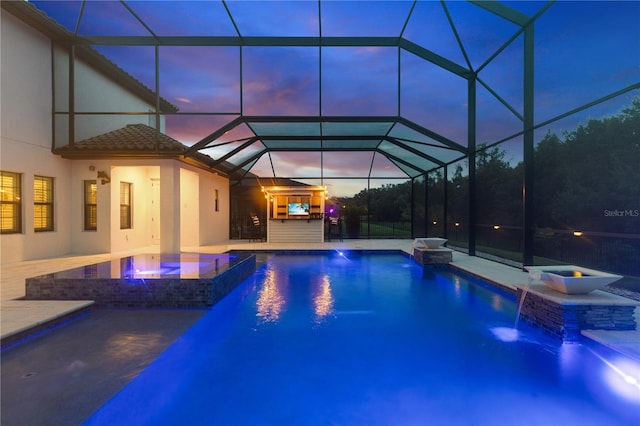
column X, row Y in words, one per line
column 22, row 318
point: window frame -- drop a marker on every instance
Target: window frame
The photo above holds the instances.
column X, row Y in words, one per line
column 90, row 209
column 14, row 205
column 43, row 204
column 126, row 202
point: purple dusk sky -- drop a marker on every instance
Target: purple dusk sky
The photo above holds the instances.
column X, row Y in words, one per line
column 584, row 50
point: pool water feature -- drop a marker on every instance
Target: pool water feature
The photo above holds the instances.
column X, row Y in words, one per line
column 370, row 339
column 571, row 279
column 521, row 300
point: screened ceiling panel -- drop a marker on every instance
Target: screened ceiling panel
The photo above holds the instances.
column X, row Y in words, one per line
column 292, row 164
column 227, row 149
column 433, row 97
column 189, row 79
column 593, row 46
column 239, row 132
column 334, row 89
column 409, row 157
column 355, row 128
column 504, row 76
column 442, row 154
column 384, row 168
column 275, row 18
column 410, row 171
column 184, row 18
column 351, row 144
column 285, row 128
column 64, row 12
column 347, row 164
column 246, row 153
column 529, row 8
column 189, row 129
column 109, row 18
column 354, row 19
column 430, row 28
column 374, row 92
column 481, row 32
column 287, row 86
column 407, row 134
column 292, row 144
column 261, row 167
column 495, row 120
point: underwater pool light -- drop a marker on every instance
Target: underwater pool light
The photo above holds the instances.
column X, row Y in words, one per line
column 506, row 334
column 625, row 369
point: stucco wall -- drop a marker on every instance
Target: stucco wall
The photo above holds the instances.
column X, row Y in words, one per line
column 25, row 138
column 214, row 225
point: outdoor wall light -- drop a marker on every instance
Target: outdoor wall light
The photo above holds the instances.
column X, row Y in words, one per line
column 435, row 222
column 496, row 227
column 577, row 233
column 457, row 224
column 104, row 177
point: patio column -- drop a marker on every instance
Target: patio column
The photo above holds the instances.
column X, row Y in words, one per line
column 169, row 208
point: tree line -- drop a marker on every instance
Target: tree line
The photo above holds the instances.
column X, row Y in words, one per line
column 586, row 179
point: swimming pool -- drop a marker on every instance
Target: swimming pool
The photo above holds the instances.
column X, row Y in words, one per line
column 367, row 339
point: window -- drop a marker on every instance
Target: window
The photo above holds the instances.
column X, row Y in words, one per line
column 217, row 200
column 90, row 205
column 10, row 203
column 125, row 205
column 42, row 203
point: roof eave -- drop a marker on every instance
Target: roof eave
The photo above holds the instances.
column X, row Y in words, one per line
column 201, row 163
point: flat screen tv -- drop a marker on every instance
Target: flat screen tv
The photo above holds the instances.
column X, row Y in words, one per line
column 298, row 209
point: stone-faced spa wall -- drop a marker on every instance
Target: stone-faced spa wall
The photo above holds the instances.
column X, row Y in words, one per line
column 141, row 292
column 426, row 257
column 566, row 315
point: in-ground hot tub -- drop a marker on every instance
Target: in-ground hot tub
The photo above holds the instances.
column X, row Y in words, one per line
column 148, row 280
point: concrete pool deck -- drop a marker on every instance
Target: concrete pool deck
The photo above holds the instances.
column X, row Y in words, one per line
column 24, row 316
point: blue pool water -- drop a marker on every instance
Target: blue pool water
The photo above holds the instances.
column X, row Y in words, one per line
column 368, row 340
column 154, row 266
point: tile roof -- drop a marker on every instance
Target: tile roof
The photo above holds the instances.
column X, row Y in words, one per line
column 133, row 139
column 136, row 140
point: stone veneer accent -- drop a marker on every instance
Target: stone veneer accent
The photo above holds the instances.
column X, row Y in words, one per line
column 564, row 316
column 149, row 293
column 437, row 256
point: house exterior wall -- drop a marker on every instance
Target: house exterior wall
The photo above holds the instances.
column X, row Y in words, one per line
column 25, row 147
column 214, row 224
column 25, row 138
